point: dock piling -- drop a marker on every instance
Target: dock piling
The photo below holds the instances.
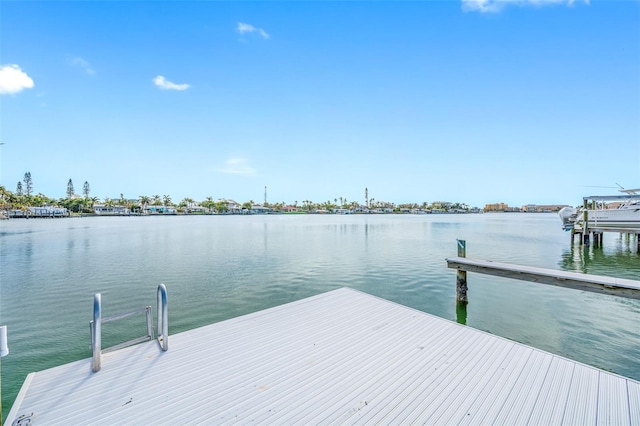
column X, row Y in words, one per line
column 461, row 276
column 585, row 227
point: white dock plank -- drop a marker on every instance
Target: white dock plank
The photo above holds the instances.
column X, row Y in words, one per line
column 582, row 398
column 342, row 357
column 634, row 402
column 553, row 393
column 613, row 401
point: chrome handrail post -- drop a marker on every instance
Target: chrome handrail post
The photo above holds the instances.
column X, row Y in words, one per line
column 163, row 318
column 96, row 333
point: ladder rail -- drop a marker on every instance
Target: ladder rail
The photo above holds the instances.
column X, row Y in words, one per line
column 95, row 327
column 163, row 318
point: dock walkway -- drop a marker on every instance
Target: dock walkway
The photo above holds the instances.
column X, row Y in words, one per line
column 342, row 357
column 576, row 280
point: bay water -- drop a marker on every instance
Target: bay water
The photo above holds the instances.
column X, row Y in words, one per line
column 220, row 267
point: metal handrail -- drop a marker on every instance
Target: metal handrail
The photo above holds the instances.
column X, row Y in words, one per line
column 95, row 327
column 163, row 318
column 96, row 333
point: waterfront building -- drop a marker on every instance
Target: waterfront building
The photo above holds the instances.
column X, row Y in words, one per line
column 160, row 210
column 545, row 208
column 104, row 210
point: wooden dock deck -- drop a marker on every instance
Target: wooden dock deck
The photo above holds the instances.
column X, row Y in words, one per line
column 586, row 282
column 342, row 357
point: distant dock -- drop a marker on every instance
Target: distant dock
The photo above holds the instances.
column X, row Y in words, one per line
column 342, row 357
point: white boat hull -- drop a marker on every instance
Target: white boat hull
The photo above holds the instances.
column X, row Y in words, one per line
column 623, row 220
column 614, row 219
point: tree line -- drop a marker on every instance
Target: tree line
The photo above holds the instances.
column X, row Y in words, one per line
column 23, row 198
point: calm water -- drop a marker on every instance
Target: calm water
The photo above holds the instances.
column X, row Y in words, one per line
column 218, row 267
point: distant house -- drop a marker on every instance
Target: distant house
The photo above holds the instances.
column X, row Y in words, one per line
column 232, row 206
column 547, row 208
column 160, row 210
column 442, row 205
column 257, row 209
column 103, row 210
column 289, row 209
column 47, row 211
column 196, row 210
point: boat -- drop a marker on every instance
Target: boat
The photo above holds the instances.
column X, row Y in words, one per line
column 619, row 213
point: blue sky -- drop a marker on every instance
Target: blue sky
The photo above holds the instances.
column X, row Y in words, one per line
column 476, row 101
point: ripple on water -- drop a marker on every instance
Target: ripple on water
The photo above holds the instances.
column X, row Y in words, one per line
column 217, row 268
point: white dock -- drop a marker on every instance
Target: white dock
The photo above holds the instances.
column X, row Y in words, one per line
column 342, row 357
column 576, row 280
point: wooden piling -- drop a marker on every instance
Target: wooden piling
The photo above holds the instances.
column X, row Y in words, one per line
column 461, row 276
column 585, row 226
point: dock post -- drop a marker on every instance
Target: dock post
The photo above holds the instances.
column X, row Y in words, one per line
column 96, row 333
column 585, row 225
column 461, row 276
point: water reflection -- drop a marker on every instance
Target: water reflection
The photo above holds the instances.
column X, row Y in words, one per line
column 620, row 258
column 461, row 313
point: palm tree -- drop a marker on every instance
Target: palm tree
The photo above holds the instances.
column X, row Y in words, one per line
column 222, row 206
column 166, row 200
column 208, row 203
column 4, row 195
column 144, row 201
column 156, row 200
column 187, row 202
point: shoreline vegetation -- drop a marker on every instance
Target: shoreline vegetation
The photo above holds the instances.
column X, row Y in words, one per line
column 21, row 205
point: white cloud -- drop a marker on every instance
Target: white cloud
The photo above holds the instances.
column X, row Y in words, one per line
column 237, row 166
column 498, row 5
column 248, row 28
column 245, row 28
column 165, row 84
column 13, row 80
column 86, row 66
